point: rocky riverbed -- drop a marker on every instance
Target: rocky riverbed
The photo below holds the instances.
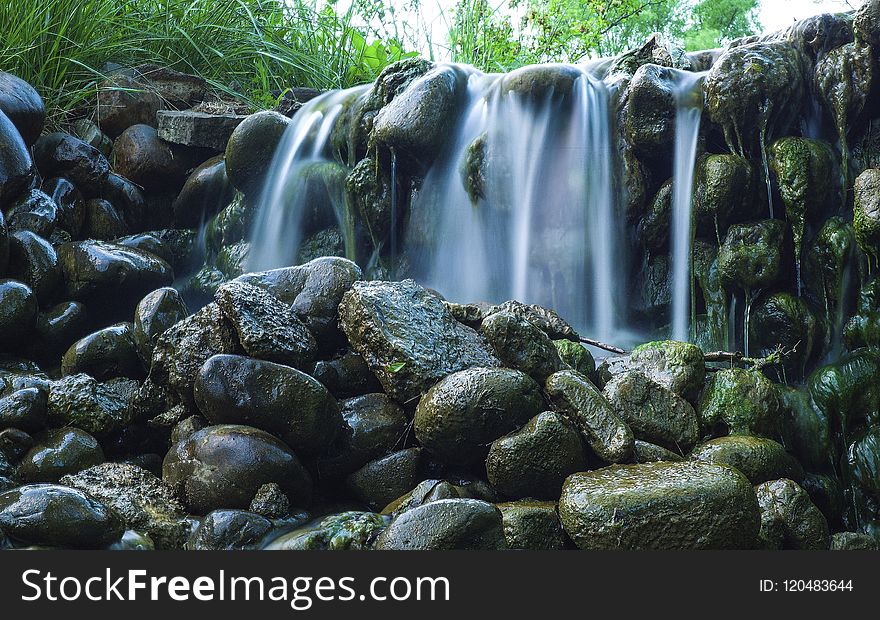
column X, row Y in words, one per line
column 157, row 394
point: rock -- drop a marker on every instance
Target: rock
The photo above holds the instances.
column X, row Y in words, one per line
column 129, row 201
column 270, row 502
column 782, row 320
column 805, row 430
column 224, row 466
column 91, row 134
column 744, row 402
column 292, row 99
column 853, row 541
column 346, row 531
column 144, row 502
column 419, row 120
column 863, row 460
column 18, row 313
column 383, row 480
column 346, row 375
column 445, row 524
column 177, row 247
column 57, row 516
column 231, row 225
column 24, row 409
column 656, row 49
column 267, row 328
column 103, row 222
column 605, row 432
column 829, row 258
column 407, row 337
column 648, row 112
column 533, row 525
column 576, row 356
column 251, row 147
column 863, row 330
column 110, row 271
column 751, row 256
column 759, row 459
column 372, row 425
column 21, row 103
column 181, row 350
column 535, row 460
column 180, row 90
column 198, row 129
column 789, row 520
column 521, row 345
column 724, row 191
column 34, row 211
column 97, row 408
column 644, row 452
column 207, row 190
column 432, row 490
column 866, row 213
column 314, row 291
column 61, row 155
column 660, row 505
column 16, row 167
column 4, row 244
column 653, row 412
column 186, row 427
column 61, row 451
column 368, row 191
column 678, row 366
column 544, row 319
column 232, row 389
column 14, row 444
column 124, row 101
column 33, row 261
column 653, row 228
column 229, row 529
column 69, row 203
column 536, row 82
column 462, row 414
column 58, row 327
column 156, row 313
column 140, row 156
column 104, row 354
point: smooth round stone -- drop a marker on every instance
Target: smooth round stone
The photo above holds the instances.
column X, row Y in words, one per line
column 141, row 157
column 62, row 451
column 24, row 409
column 530, row 524
column 23, row 105
column 16, row 166
column 103, row 222
column 33, row 260
column 129, row 201
column 70, row 204
column 34, row 211
column 18, row 312
column 383, row 480
column 758, row 458
column 60, row 154
column 58, row 327
column 207, row 190
column 154, row 314
column 224, row 466
column 104, row 354
column 251, row 147
column 229, row 529
column 57, row 516
column 446, row 524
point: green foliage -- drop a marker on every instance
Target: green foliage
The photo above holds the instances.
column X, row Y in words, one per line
column 719, row 21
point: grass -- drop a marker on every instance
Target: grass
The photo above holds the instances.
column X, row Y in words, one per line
column 244, row 48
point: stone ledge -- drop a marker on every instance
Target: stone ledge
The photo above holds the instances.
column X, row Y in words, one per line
column 197, row 128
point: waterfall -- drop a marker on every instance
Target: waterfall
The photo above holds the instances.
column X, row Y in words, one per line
column 689, row 107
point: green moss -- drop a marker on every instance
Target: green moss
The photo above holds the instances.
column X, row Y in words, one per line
column 576, row 356
column 863, row 330
column 744, row 401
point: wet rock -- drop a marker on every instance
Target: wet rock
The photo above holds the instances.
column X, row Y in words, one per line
column 845, row 392
column 155, row 313
column 653, row 412
column 744, row 402
column 805, row 430
column 61, row 155
column 97, row 408
column 207, row 190
column 535, row 460
column 724, row 191
column 33, row 261
column 866, row 213
column 69, row 202
column 124, row 101
column 536, row 82
column 325, row 242
column 251, row 147
column 544, row 319
column 445, row 524
column 863, row 330
column 576, row 356
column 129, row 201
column 863, row 460
column 181, row 350
column 407, row 337
column 853, row 541
column 232, row 389
column 346, row 531
column 177, row 247
column 432, row 490
column 759, row 459
column 144, row 502
column 648, row 113
column 57, row 516
column 34, row 211
column 186, row 427
column 653, row 229
column 369, row 193
column 644, row 452
column 653, row 294
column 18, row 313
column 23, row 409
column 346, row 375
column 140, row 156
column 21, row 103
column 60, row 452
column 828, row 259
column 197, row 129
column 789, row 520
column 656, row 49
column 58, row 327
column 230, row 225
column 4, row 244
column 782, row 320
column 751, row 256
column 678, row 366
column 462, row 414
column 110, row 271
column 103, row 222
column 533, row 525
column 91, row 134
column 383, row 480
column 229, row 529
column 270, row 501
column 232, row 259
column 372, row 425
column 104, row 354
column 224, row 466
column 267, row 328
column 660, row 505
column 16, row 167
column 521, row 345
column 605, row 432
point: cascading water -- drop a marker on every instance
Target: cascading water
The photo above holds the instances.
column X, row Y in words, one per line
column 689, row 107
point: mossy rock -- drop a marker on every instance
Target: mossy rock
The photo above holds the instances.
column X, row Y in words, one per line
column 863, row 330
column 783, row 320
column 866, row 214
column 789, row 520
column 847, row 392
column 805, row 429
column 724, row 191
column 521, row 345
column 676, row 365
column 751, row 256
column 744, row 402
column 444, row 525
column 345, row 531
column 534, row 525
column 758, row 458
column 576, row 356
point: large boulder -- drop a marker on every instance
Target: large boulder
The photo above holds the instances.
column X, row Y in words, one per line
column 104, row 354
column 408, row 337
column 445, row 524
column 124, row 101
column 23, row 105
column 661, row 505
column 649, row 108
column 751, row 256
column 142, row 157
column 462, row 414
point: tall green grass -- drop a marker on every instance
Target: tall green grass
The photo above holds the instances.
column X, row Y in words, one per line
column 246, row 48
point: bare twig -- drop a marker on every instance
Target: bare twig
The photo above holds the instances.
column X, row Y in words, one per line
column 757, row 363
column 603, row 346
